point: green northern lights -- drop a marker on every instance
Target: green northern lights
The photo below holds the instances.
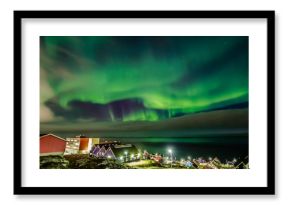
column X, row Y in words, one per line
column 140, row 78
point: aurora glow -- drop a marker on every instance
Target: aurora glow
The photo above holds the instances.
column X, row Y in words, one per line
column 117, row 79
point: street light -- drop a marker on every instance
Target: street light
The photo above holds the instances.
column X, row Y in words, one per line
column 126, row 155
column 170, row 152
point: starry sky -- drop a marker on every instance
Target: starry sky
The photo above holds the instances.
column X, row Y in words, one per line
column 140, row 78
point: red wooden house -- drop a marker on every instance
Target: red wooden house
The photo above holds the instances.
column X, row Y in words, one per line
column 84, row 145
column 51, row 145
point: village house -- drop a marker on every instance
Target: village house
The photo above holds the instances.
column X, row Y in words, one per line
column 121, row 152
column 80, row 144
column 51, row 145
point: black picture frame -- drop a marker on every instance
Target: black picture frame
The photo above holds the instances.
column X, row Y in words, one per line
column 268, row 190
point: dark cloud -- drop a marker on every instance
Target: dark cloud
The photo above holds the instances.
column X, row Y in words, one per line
column 118, row 110
column 113, row 111
column 214, row 123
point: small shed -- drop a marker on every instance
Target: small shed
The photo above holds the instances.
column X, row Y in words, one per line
column 51, row 145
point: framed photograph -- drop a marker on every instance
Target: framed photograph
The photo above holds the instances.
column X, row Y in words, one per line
column 144, row 102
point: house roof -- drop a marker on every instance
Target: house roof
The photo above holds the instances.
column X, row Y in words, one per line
column 110, row 153
column 118, row 150
column 96, row 150
column 246, row 160
column 46, row 135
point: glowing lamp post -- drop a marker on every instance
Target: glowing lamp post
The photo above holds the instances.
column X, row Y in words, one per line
column 126, row 153
column 170, row 152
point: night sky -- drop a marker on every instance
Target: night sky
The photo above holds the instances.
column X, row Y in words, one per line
column 126, row 79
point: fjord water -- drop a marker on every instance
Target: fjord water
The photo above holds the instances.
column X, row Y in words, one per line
column 224, row 147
